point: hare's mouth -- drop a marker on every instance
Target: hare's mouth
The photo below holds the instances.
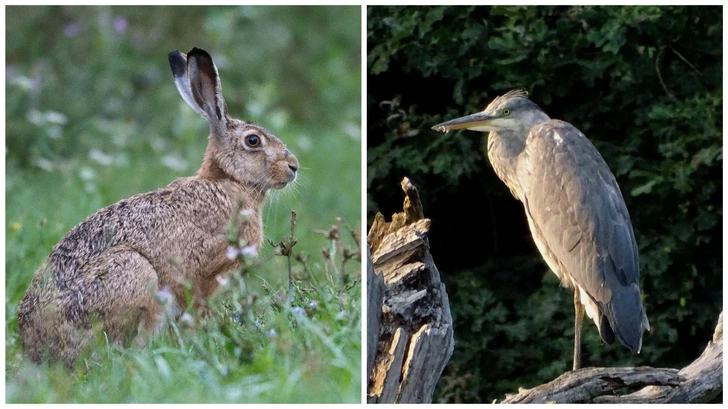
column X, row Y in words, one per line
column 282, row 175
column 282, row 184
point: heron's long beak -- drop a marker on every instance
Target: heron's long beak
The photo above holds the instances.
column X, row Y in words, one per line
column 476, row 122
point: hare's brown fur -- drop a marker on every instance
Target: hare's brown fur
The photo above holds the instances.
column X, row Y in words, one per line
column 104, row 273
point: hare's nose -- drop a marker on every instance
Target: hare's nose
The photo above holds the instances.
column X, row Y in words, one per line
column 292, row 161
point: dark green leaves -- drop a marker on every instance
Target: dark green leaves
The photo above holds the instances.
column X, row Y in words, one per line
column 643, row 83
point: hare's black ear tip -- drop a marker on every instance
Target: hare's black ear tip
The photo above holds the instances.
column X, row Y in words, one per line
column 195, row 51
column 178, row 63
column 174, row 55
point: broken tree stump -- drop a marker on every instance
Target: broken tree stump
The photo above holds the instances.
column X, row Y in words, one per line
column 409, row 320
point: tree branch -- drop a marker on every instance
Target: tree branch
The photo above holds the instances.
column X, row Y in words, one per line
column 700, row 381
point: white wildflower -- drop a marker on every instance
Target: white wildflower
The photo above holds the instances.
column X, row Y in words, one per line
column 232, row 252
column 35, row 117
column 86, row 173
column 353, row 130
column 100, row 157
column 164, row 296
column 44, row 164
column 222, row 280
column 186, row 319
column 55, row 117
column 249, row 251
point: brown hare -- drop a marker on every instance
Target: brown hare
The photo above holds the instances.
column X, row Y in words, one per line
column 104, row 273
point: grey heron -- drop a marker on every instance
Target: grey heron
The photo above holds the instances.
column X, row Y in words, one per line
column 575, row 211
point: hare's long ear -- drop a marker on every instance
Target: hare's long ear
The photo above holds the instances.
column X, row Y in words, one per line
column 207, row 93
column 178, row 63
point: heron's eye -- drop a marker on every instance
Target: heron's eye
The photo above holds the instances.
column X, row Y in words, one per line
column 506, row 112
column 252, row 140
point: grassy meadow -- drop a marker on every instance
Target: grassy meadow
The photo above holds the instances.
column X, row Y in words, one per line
column 93, row 116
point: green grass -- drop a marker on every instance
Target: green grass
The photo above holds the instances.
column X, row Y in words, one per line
column 130, row 132
column 273, row 355
column 253, row 348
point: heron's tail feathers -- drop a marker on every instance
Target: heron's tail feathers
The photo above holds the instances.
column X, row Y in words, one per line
column 605, row 330
column 626, row 317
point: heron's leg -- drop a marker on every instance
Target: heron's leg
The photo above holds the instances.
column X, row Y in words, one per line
column 578, row 317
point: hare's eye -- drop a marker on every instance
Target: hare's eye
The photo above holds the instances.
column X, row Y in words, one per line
column 252, row 140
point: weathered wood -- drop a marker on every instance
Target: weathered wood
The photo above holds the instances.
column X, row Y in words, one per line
column 415, row 337
column 375, row 293
column 387, row 372
column 700, row 381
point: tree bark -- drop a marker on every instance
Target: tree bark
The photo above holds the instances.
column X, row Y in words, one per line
column 701, row 381
column 410, row 324
column 375, row 296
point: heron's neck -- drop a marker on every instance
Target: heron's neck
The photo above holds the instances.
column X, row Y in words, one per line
column 503, row 150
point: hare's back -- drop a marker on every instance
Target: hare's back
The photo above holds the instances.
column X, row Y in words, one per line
column 161, row 224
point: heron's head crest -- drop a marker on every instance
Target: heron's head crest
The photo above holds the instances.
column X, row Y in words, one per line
column 510, row 96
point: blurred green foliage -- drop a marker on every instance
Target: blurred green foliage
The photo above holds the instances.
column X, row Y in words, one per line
column 643, row 83
column 93, row 116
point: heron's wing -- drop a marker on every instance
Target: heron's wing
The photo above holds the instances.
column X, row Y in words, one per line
column 576, row 209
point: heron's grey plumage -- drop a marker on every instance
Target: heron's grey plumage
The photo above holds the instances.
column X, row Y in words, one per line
column 576, row 213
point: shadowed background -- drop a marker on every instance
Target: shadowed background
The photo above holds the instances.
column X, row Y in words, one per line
column 642, row 83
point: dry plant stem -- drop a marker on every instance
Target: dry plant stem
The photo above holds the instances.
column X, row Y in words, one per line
column 354, row 235
column 290, row 253
column 337, row 247
column 333, row 235
column 347, row 253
